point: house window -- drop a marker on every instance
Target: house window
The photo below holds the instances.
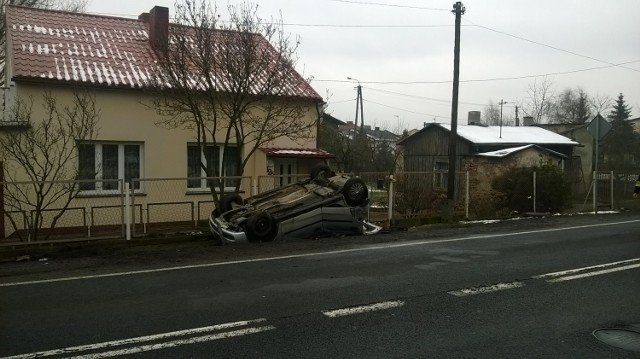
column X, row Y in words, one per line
column 212, row 158
column 108, row 164
column 440, row 174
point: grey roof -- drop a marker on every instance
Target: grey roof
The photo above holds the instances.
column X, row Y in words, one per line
column 382, row 135
column 508, row 151
column 507, row 135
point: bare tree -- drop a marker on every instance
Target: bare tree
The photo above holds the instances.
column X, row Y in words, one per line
column 539, row 103
column 44, row 151
column 67, row 5
column 491, row 114
column 600, row 103
column 230, row 83
column 571, row 106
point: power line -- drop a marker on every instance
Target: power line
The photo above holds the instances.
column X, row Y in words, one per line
column 404, row 110
column 390, row 5
column 342, row 101
column 366, row 26
column 421, row 97
column 550, row 46
column 484, row 80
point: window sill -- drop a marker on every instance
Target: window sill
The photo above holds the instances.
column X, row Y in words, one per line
column 94, row 194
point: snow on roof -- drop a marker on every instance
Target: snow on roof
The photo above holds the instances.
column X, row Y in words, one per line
column 95, row 50
column 507, row 151
column 297, row 152
column 510, row 135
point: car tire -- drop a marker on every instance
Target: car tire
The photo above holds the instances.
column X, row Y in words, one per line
column 226, row 202
column 355, row 192
column 321, row 170
column 261, row 227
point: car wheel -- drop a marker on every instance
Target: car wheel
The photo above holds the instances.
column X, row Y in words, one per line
column 321, row 170
column 227, row 201
column 261, row 227
column 355, row 192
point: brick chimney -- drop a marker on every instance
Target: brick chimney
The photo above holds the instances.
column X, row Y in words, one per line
column 144, row 17
column 158, row 19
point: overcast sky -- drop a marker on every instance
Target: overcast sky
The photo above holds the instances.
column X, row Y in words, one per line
column 402, row 51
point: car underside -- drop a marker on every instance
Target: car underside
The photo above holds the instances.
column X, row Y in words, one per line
column 323, row 204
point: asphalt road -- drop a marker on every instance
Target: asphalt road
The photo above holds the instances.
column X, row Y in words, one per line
column 527, row 289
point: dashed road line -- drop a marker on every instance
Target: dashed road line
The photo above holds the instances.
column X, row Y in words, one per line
column 134, row 347
column 597, row 267
column 486, row 289
column 363, row 309
column 594, row 273
column 555, row 277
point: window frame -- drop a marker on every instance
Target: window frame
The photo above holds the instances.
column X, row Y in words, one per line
column 202, row 178
column 98, row 170
column 440, row 176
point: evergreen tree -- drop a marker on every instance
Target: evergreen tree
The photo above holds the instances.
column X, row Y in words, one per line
column 384, row 159
column 621, row 111
column 622, row 144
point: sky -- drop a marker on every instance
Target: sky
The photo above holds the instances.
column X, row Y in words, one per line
column 401, row 52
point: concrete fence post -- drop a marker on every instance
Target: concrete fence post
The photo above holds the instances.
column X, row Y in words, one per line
column 534, row 191
column 612, row 190
column 390, row 209
column 127, row 211
column 466, row 196
column 595, row 192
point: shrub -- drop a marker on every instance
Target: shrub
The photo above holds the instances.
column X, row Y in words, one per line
column 414, row 196
column 487, row 204
column 553, row 188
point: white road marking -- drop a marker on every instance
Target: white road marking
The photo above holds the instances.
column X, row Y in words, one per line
column 314, row 254
column 486, row 289
column 595, row 273
column 583, row 269
column 175, row 343
column 363, row 309
column 156, row 337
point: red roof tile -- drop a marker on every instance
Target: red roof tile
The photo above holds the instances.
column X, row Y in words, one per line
column 91, row 50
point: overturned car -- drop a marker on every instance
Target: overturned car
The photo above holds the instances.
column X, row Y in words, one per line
column 324, row 203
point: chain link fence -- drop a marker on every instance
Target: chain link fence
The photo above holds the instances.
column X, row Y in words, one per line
column 47, row 210
column 36, row 211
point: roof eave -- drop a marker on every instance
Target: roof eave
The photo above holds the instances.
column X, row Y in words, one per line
column 104, row 85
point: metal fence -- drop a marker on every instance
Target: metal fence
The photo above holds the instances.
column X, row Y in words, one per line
column 36, row 211
column 99, row 209
column 609, row 189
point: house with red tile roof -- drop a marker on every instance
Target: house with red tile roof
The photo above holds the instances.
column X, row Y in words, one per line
column 115, row 59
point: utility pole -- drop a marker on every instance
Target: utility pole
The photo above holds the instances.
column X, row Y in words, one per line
column 517, row 118
column 359, row 135
column 361, row 111
column 501, row 104
column 458, row 10
column 358, row 104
